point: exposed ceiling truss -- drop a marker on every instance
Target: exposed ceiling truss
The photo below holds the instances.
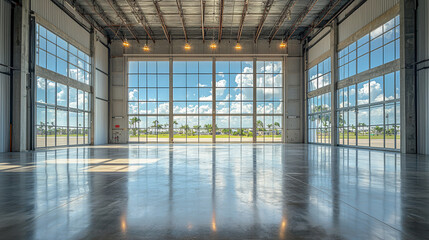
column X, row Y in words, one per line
column 161, row 18
column 182, row 19
column 140, row 18
column 221, row 5
column 243, row 17
column 285, row 14
column 123, row 18
column 299, row 20
column 203, row 9
column 267, row 8
column 192, row 19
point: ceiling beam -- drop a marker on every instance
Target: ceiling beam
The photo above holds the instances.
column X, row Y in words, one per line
column 100, row 12
column 298, row 21
column 182, row 18
column 267, row 8
column 161, row 18
column 243, row 16
column 221, row 3
column 140, row 18
column 203, row 8
column 123, row 18
column 286, row 13
column 321, row 17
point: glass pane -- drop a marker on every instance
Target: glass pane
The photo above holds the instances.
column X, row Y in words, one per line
column 61, row 95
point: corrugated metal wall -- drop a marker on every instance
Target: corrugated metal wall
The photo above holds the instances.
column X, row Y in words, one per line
column 362, row 16
column 53, row 14
column 423, row 77
column 320, row 48
column 5, row 31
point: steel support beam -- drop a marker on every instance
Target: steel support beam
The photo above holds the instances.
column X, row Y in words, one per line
column 299, row 20
column 321, row 17
column 286, row 12
column 221, row 4
column 100, row 12
column 267, row 8
column 140, row 18
column 182, row 18
column 161, row 18
column 203, row 8
column 21, row 75
column 243, row 17
column 334, row 78
column 114, row 5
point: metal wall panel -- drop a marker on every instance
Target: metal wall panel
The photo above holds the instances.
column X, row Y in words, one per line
column 369, row 11
column 102, row 57
column 53, row 14
column 423, row 78
column 5, row 31
column 319, row 49
column 101, row 123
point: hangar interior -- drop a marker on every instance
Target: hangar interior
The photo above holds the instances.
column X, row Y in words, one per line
column 214, row 119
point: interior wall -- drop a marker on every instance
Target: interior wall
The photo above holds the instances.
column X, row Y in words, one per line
column 57, row 17
column 423, row 77
column 5, row 32
column 319, row 46
column 364, row 15
column 101, row 113
column 162, row 49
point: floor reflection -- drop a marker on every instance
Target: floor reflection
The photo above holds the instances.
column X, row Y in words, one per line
column 223, row 191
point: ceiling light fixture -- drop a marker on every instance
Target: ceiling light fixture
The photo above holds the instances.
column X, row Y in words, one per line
column 146, row 48
column 282, row 45
column 238, row 46
column 125, row 43
column 187, row 46
column 213, row 46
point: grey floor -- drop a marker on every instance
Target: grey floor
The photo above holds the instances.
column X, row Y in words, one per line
column 223, row 191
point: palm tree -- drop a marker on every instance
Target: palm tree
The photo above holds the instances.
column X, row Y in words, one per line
column 276, row 124
column 378, row 130
column 197, row 127
column 185, row 128
column 226, row 131
column 209, row 128
column 133, row 123
column 269, row 128
column 259, row 126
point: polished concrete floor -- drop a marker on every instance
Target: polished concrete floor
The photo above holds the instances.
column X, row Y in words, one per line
column 223, row 191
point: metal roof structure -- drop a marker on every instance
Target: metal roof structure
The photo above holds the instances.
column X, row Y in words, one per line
column 208, row 19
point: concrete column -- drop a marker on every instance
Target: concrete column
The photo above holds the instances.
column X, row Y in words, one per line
column 21, row 47
column 92, row 40
column 334, row 77
column 255, row 81
column 408, row 77
column 213, row 100
column 305, row 89
column 170, row 103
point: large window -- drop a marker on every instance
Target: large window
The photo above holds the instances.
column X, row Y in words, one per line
column 63, row 111
column 380, row 46
column 319, row 75
column 369, row 113
column 269, row 97
column 57, row 55
column 62, row 114
column 148, row 101
column 192, row 101
column 319, row 119
column 233, row 115
column 234, row 101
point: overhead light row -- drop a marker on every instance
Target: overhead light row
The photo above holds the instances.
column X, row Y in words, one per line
column 187, row 46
